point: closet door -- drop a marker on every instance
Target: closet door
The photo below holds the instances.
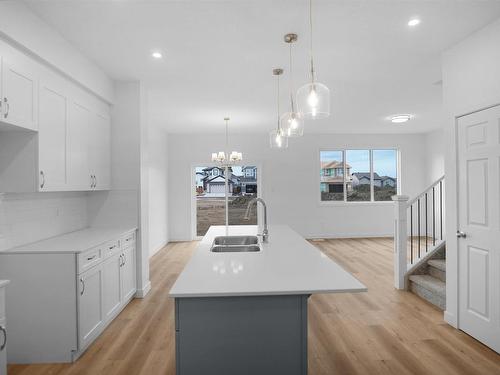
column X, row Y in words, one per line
column 52, row 126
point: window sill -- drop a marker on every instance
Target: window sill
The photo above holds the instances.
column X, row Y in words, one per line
column 354, row 203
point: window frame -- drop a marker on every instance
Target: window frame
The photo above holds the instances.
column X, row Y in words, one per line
column 372, row 200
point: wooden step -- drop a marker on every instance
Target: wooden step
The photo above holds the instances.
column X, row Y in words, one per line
column 437, row 268
column 429, row 288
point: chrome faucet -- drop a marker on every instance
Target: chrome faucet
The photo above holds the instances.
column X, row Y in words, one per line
column 265, row 232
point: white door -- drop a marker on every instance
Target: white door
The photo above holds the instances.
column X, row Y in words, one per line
column 19, row 96
column 479, row 220
column 128, row 273
column 79, row 130
column 52, row 121
column 101, row 155
column 90, row 309
column 112, row 293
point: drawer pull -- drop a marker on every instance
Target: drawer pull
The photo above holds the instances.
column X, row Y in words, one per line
column 92, row 257
column 112, row 247
column 4, row 333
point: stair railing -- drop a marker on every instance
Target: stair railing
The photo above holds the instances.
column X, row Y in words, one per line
column 419, row 228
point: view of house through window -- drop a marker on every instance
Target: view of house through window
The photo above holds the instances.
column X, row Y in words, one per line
column 358, row 175
column 210, row 196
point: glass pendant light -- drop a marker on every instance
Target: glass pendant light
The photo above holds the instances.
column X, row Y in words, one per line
column 277, row 138
column 292, row 122
column 313, row 99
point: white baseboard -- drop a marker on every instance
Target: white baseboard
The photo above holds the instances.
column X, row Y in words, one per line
column 450, row 319
column 152, row 254
column 141, row 293
column 351, row 235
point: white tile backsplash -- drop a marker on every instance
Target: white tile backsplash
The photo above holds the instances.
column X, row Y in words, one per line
column 26, row 218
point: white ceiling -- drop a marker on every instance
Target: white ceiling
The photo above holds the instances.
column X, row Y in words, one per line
column 219, row 55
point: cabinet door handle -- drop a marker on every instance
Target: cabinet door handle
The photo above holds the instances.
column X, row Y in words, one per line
column 95, row 181
column 112, row 247
column 122, row 262
column 92, row 257
column 83, row 286
column 42, row 175
column 91, row 181
column 7, row 107
column 4, row 334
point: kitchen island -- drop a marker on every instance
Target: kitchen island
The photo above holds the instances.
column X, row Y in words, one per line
column 246, row 312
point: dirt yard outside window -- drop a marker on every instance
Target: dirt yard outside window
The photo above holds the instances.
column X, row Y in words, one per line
column 211, row 211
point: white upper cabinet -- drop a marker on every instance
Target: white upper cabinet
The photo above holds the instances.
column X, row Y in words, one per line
column 52, row 125
column 100, row 151
column 78, row 151
column 19, row 96
column 66, row 139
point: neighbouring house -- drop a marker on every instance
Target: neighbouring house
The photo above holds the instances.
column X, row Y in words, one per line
column 363, row 178
column 332, row 177
column 214, row 181
column 388, row 181
column 248, row 180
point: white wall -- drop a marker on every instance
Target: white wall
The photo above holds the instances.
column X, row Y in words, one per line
column 158, row 189
column 471, row 81
column 26, row 218
column 290, row 181
column 434, row 155
column 19, row 24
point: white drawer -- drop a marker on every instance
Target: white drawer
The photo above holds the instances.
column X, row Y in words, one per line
column 2, row 303
column 88, row 259
column 128, row 239
column 110, row 248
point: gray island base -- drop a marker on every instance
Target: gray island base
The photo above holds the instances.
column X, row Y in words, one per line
column 245, row 313
column 254, row 335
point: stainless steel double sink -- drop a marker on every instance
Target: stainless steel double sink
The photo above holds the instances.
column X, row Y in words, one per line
column 235, row 244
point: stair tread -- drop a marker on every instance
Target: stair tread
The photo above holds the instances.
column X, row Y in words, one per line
column 440, row 264
column 430, row 283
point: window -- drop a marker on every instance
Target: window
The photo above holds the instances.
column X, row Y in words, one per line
column 209, row 194
column 365, row 176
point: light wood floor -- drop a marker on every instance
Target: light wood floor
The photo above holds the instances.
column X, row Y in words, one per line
column 383, row 331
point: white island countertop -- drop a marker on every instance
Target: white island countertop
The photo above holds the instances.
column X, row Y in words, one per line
column 73, row 242
column 286, row 265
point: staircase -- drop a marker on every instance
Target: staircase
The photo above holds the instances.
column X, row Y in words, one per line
column 428, row 280
column 419, row 244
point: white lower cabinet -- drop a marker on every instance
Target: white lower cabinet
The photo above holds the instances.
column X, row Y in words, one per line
column 105, row 288
column 3, row 347
column 112, row 295
column 56, row 319
column 3, row 331
column 90, row 305
column 127, row 275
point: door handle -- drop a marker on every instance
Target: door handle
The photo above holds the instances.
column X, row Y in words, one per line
column 4, row 333
column 461, row 234
column 7, row 107
column 42, row 175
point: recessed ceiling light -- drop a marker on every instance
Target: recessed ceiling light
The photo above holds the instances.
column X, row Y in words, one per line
column 157, row 55
column 398, row 119
column 413, row 22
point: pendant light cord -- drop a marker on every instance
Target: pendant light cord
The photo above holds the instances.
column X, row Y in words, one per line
column 291, row 82
column 278, row 101
column 311, row 40
column 227, row 138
